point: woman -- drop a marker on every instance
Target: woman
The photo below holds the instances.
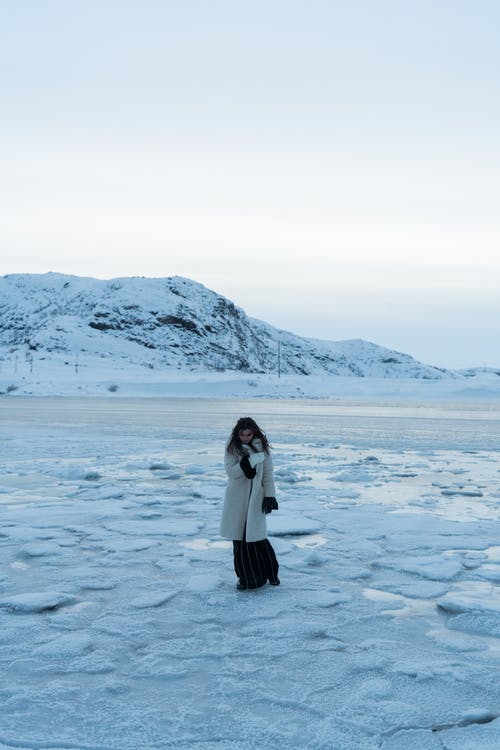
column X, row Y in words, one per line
column 250, row 494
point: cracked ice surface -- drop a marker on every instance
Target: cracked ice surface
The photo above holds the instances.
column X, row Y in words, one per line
column 120, row 626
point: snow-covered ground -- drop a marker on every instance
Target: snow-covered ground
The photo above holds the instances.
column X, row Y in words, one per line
column 75, row 375
column 120, row 624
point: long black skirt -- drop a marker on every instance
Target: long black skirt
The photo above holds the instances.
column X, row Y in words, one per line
column 255, row 563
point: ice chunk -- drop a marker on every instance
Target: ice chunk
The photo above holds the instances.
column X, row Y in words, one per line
column 475, row 736
column 379, row 688
column 490, row 572
column 417, row 669
column 131, row 545
column 67, row 645
column 195, row 469
column 36, row 602
column 456, row 642
column 40, row 549
column 201, row 583
column 75, row 472
column 315, row 559
column 464, row 493
column 108, row 492
column 418, row 589
column 291, row 477
column 481, row 597
column 433, row 567
column 485, row 623
column 323, row 598
column 155, row 599
column 345, row 493
column 353, row 475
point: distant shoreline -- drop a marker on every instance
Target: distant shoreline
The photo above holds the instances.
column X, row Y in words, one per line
column 136, row 383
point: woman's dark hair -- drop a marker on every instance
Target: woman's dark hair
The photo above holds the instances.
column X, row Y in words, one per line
column 246, row 423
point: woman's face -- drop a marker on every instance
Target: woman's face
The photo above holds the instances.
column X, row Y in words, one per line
column 245, row 436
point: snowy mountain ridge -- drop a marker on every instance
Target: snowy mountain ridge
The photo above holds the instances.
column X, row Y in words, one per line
column 174, row 323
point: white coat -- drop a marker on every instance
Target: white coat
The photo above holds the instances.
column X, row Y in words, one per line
column 243, row 498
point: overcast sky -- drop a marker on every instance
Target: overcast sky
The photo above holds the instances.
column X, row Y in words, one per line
column 330, row 166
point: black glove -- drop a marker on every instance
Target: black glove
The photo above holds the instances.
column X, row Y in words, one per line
column 269, row 504
column 247, row 470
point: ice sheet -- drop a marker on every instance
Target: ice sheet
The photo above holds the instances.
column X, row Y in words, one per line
column 120, row 624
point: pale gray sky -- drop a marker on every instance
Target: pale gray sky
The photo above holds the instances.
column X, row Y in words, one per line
column 331, row 166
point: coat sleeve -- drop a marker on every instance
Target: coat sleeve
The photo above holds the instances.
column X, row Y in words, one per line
column 232, row 466
column 268, row 477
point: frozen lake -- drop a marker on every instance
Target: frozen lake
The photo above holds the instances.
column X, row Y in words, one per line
column 465, row 426
column 120, row 624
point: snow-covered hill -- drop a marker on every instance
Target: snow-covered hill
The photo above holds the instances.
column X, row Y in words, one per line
column 170, row 324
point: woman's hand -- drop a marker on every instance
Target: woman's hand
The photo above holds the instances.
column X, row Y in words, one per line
column 269, row 504
column 247, row 470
